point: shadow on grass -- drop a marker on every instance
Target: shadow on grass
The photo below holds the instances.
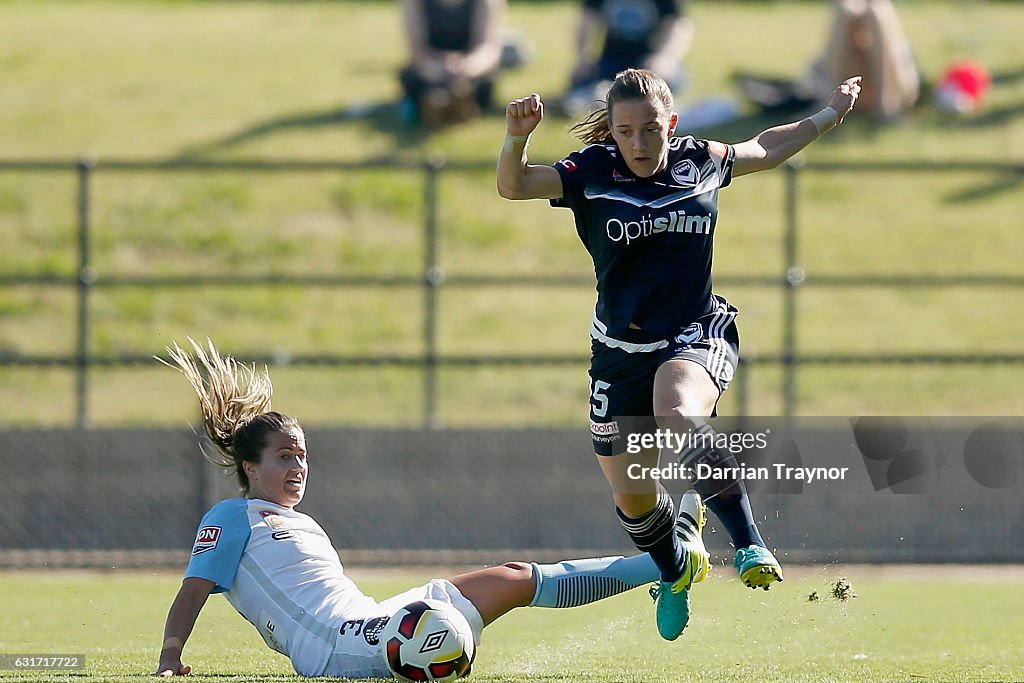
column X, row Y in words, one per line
column 482, row 678
column 1008, row 77
column 384, row 117
column 985, row 191
column 994, row 117
column 997, row 116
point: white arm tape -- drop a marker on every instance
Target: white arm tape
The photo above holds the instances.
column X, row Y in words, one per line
column 512, row 140
column 825, row 120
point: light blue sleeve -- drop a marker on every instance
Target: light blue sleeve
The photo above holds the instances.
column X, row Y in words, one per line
column 222, row 538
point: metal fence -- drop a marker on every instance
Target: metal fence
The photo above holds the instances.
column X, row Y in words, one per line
column 792, row 280
column 416, row 496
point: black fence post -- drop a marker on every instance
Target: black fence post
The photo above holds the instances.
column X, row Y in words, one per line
column 433, row 277
column 80, row 357
column 86, row 278
column 795, row 277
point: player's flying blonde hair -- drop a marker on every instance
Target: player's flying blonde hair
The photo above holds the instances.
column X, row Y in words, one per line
column 235, row 401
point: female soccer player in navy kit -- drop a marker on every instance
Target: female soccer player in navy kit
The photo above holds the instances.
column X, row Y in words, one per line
column 645, row 205
column 278, row 568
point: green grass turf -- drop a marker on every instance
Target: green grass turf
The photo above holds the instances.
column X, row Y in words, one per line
column 244, row 80
column 929, row 624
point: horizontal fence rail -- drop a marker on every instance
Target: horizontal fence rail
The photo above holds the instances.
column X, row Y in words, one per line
column 432, row 277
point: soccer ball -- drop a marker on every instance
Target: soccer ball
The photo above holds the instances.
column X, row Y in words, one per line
column 428, row 640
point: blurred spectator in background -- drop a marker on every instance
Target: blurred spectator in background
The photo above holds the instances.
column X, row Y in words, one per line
column 649, row 34
column 456, row 52
column 866, row 38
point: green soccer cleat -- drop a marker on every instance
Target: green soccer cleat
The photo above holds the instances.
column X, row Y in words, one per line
column 673, row 608
column 690, row 521
column 757, row 566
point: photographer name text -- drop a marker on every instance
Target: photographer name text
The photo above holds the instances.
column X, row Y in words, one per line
column 776, row 471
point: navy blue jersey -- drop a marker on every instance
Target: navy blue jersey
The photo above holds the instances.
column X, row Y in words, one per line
column 650, row 238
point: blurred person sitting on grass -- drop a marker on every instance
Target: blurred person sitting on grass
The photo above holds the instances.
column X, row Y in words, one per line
column 278, row 568
column 865, row 37
column 614, row 35
column 456, row 50
column 664, row 347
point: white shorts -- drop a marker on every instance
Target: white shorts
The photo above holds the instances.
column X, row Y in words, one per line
column 357, row 650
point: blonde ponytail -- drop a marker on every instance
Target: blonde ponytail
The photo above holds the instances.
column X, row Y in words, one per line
column 235, row 401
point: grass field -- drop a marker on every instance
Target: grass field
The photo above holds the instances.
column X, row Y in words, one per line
column 906, row 624
column 244, row 80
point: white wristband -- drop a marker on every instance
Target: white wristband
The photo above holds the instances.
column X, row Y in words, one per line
column 825, row 120
column 512, row 140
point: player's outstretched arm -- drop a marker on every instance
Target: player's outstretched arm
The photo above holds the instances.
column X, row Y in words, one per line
column 518, row 179
column 180, row 619
column 770, row 148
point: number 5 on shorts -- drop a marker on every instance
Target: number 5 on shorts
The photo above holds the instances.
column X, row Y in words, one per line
column 597, row 398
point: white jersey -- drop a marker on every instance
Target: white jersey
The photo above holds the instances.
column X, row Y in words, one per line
column 278, row 568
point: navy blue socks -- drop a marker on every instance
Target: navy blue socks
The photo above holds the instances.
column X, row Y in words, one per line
column 732, row 507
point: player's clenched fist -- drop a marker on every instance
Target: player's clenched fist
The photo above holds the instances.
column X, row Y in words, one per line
column 845, row 96
column 523, row 115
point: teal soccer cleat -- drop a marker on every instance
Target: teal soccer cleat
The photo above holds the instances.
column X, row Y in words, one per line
column 673, row 608
column 757, row 566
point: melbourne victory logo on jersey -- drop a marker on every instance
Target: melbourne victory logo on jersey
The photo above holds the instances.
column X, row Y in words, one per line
column 692, row 333
column 685, row 172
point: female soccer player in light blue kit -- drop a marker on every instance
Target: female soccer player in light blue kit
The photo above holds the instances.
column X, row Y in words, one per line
column 663, row 344
column 278, row 568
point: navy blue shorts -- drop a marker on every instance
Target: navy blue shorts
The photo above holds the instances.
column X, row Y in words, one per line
column 622, row 372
